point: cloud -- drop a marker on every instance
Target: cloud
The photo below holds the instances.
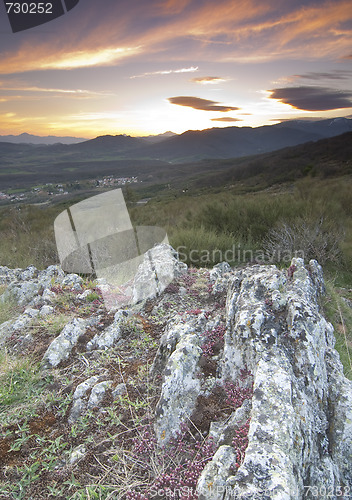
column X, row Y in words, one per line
column 40, row 59
column 301, row 118
column 42, row 90
column 172, row 29
column 313, row 98
column 84, row 59
column 202, row 104
column 226, row 119
column 14, row 90
column 208, row 79
column 332, row 75
column 172, row 6
column 192, row 69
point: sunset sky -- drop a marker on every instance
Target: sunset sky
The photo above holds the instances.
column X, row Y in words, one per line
column 141, row 67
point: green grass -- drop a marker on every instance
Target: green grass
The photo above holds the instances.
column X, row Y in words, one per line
column 21, row 383
column 8, row 308
column 27, row 236
column 53, row 323
column 339, row 314
column 224, row 218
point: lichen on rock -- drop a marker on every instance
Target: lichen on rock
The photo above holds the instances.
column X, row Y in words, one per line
column 243, row 359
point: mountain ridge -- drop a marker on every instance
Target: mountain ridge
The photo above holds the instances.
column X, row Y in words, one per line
column 27, row 165
column 232, row 142
column 26, row 138
column 195, row 145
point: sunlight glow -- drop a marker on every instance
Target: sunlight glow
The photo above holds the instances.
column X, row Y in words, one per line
column 82, row 59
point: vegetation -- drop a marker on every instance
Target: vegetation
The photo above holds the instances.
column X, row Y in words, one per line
column 310, row 218
column 8, row 308
column 27, row 236
column 338, row 309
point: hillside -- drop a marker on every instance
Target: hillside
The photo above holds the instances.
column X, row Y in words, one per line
column 233, row 142
column 322, row 159
column 23, row 166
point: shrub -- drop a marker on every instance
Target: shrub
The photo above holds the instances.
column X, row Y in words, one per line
column 309, row 239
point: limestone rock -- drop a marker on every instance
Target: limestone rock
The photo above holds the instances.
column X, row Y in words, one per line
column 88, row 395
column 98, row 393
column 180, row 389
column 212, row 484
column 73, row 281
column 23, row 292
column 17, row 325
column 119, row 390
column 46, row 310
column 79, row 404
column 300, row 430
column 60, row 348
column 25, row 285
column 159, row 267
column 110, row 335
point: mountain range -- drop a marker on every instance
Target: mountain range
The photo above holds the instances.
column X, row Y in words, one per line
column 53, row 139
column 235, row 142
column 36, row 139
column 193, row 145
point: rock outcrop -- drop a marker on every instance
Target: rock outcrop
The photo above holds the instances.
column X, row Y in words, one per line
column 244, row 356
column 300, row 433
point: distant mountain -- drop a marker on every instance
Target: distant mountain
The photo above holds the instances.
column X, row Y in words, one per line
column 35, row 139
column 330, row 157
column 110, row 144
column 191, row 146
column 325, row 128
column 27, row 165
column 234, row 142
column 158, row 138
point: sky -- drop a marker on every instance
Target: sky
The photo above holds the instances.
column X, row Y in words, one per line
column 141, row 67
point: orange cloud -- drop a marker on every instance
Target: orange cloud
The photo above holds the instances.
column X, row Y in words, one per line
column 201, row 104
column 42, row 60
column 172, row 6
column 220, row 31
column 226, row 119
column 208, row 80
column 118, row 35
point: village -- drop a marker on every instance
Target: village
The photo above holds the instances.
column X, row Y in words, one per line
column 49, row 190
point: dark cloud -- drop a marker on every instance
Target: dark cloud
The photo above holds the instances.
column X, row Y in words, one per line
column 202, row 104
column 333, row 75
column 208, row 79
column 313, row 98
column 226, row 119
